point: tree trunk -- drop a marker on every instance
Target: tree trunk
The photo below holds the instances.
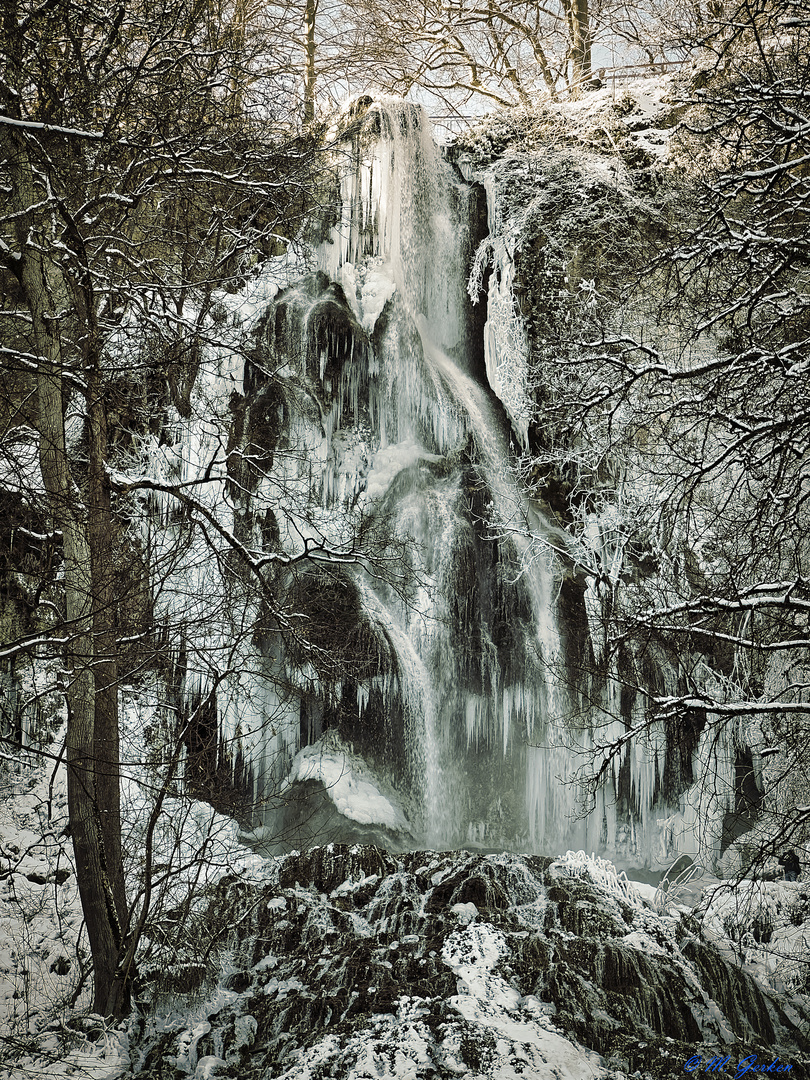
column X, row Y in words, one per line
column 579, row 39
column 95, row 869
column 106, row 748
column 92, row 745
column 310, row 12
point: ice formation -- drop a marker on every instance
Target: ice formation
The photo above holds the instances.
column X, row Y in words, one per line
column 377, row 412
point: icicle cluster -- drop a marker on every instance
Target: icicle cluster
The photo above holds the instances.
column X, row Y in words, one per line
column 441, row 701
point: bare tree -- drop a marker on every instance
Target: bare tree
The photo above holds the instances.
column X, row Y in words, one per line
column 467, row 56
column 145, row 157
column 677, row 408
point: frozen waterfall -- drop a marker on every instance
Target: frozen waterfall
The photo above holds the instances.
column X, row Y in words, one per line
column 436, row 693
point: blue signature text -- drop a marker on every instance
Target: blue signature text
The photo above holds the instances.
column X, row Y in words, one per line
column 747, row 1066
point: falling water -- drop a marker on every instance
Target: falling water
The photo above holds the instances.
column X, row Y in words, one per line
column 474, row 635
column 451, row 695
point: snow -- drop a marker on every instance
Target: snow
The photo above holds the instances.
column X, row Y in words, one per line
column 646, row 891
column 43, row 948
column 601, row 872
column 465, row 913
column 349, row 784
column 388, row 462
column 19, row 462
column 209, row 1066
column 403, row 1046
column 766, row 924
column 40, row 914
column 520, row 1038
column 41, row 940
column 31, row 125
column 522, row 1033
column 248, row 304
column 627, row 114
column 641, row 102
column 517, row 1030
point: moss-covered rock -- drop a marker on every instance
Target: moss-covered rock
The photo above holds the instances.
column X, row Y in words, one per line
column 460, row 963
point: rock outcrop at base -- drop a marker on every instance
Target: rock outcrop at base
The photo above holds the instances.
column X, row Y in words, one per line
column 352, row 962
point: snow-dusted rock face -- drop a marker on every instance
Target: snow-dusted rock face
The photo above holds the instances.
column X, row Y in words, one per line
column 354, row 963
column 449, row 683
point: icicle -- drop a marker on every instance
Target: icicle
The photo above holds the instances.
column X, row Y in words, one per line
column 506, row 349
column 402, row 427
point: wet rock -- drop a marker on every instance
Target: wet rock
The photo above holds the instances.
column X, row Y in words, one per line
column 457, row 964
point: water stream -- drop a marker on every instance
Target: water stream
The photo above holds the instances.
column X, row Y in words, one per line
column 430, row 696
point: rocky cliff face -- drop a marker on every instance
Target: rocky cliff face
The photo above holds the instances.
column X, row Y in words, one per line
column 349, row 962
column 430, row 673
column 455, row 679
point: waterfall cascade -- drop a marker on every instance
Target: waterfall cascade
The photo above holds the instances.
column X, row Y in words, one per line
column 432, row 693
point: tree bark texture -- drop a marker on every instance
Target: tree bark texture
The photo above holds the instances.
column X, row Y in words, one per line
column 310, row 71
column 579, row 36
column 84, row 520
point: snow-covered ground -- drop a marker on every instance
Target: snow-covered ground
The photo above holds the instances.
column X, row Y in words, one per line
column 40, row 914
column 474, row 1016
column 45, row 976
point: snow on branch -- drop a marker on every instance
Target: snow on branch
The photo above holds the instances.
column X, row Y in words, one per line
column 50, row 129
column 577, row 864
column 780, row 594
column 256, row 561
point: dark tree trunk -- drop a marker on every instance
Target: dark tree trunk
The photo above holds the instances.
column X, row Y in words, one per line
column 310, row 12
column 85, row 524
column 106, row 744
column 579, row 38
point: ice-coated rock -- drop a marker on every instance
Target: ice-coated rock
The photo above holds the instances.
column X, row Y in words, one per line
column 466, row 965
